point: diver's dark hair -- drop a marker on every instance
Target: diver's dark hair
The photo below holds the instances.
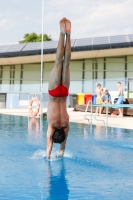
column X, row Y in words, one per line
column 58, row 135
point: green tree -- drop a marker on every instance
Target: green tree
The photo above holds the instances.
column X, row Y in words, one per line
column 33, row 37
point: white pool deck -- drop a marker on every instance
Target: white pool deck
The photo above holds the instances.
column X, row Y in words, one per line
column 78, row 117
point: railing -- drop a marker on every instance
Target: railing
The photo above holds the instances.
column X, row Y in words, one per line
column 91, row 105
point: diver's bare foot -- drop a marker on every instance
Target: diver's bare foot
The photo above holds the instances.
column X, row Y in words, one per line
column 68, row 27
column 62, row 25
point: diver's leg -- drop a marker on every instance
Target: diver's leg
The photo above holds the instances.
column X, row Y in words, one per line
column 55, row 76
column 67, row 56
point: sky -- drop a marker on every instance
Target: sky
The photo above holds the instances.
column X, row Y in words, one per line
column 90, row 18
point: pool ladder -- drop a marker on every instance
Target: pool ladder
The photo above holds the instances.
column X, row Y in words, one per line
column 91, row 105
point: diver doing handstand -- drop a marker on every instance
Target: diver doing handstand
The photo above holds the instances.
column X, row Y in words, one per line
column 59, row 81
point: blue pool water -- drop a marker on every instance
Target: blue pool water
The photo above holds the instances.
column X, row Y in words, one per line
column 97, row 165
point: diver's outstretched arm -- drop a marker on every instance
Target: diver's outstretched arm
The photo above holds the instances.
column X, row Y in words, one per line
column 63, row 144
column 49, row 142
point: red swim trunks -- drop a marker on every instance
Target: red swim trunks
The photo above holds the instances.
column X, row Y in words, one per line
column 60, row 91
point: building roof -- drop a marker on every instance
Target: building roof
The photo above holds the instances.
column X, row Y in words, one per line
column 85, row 44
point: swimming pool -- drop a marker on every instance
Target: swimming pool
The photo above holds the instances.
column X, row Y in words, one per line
column 97, row 165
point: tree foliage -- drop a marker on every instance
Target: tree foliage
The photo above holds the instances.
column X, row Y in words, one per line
column 33, row 37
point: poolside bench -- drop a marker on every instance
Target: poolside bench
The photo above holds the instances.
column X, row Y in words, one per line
column 126, row 111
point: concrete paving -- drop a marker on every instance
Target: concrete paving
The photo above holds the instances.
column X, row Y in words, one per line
column 78, row 117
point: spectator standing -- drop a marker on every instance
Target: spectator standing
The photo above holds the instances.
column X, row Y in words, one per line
column 120, row 99
column 99, row 93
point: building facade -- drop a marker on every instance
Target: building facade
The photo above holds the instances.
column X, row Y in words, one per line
column 104, row 60
column 84, row 75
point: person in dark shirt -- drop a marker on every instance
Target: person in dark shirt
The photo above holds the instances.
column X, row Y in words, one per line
column 106, row 97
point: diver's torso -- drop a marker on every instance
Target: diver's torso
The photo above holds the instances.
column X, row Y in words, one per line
column 57, row 114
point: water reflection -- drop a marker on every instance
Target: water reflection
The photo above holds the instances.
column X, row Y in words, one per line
column 100, row 131
column 34, row 127
column 56, row 186
column 87, row 131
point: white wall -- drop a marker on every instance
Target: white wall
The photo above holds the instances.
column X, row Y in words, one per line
column 88, row 83
column 6, row 79
column 31, row 78
column 115, row 71
column 17, row 78
column 76, row 76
